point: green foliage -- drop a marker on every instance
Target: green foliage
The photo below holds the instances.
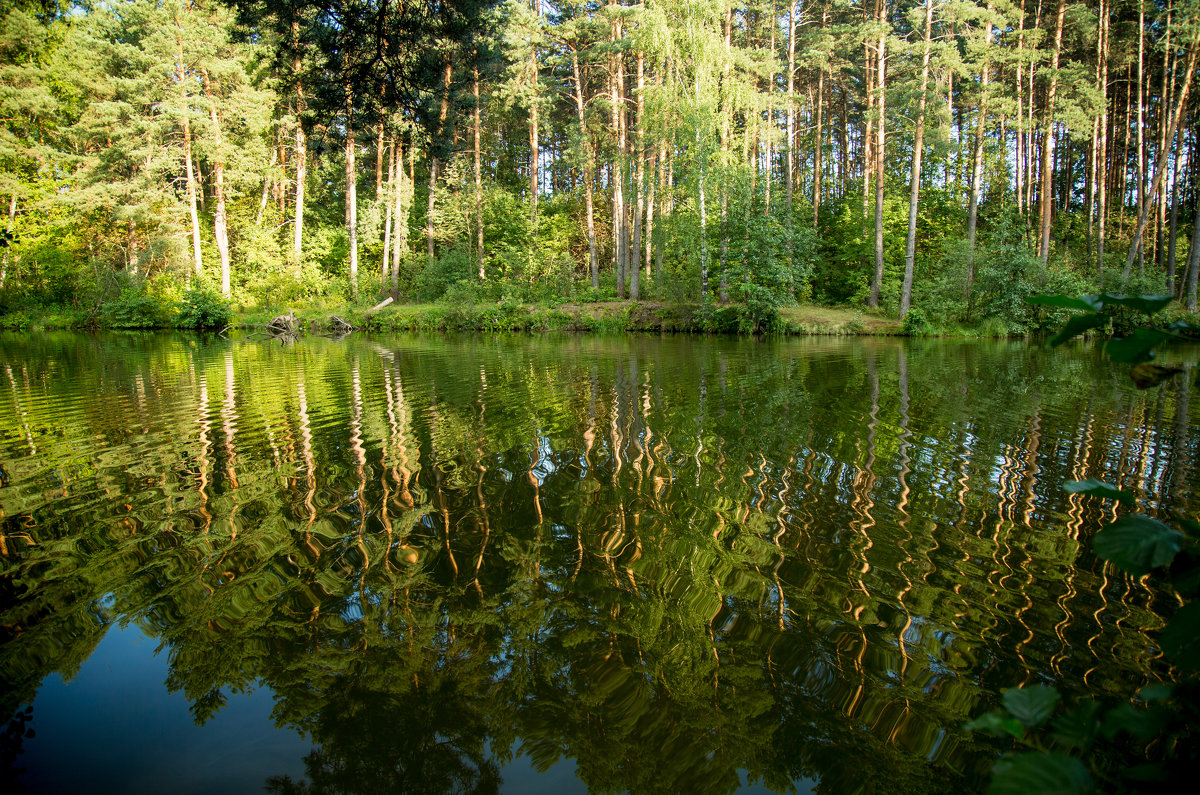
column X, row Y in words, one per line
column 453, row 267
column 201, row 309
column 916, row 324
column 135, row 307
column 1085, row 743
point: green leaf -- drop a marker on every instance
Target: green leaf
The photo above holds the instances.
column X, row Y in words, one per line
column 1158, row 692
column 1146, row 304
column 1138, row 347
column 1088, row 303
column 997, row 723
column 1033, row 706
column 1137, row 544
column 1146, row 375
column 1147, row 771
column 1025, row 774
column 1181, row 637
column 1076, row 326
column 1144, row 724
column 1185, row 572
column 1078, row 726
column 1098, row 488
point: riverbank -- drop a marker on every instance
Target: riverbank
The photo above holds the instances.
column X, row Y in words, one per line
column 609, row 316
column 605, row 316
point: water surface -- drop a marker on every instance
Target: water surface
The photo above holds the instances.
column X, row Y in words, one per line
column 521, row 563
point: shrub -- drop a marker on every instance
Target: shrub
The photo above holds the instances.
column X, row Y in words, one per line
column 135, row 307
column 916, row 324
column 202, row 308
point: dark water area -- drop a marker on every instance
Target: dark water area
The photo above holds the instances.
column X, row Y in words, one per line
column 522, row 564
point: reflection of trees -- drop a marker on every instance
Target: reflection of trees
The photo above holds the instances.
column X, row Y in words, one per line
column 762, row 558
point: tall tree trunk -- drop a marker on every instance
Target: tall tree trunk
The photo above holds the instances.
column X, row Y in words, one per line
column 639, row 184
column 1019, row 170
column 1161, row 168
column 1193, row 273
column 401, row 192
column 665, row 174
column 1045, row 192
column 618, row 175
column 725, row 112
column 910, row 249
column 881, row 77
column 818, row 148
column 379, row 156
column 197, row 259
column 219, row 223
column 434, row 165
column 791, row 124
column 589, row 168
column 352, row 208
column 387, row 218
column 8, row 227
column 977, row 154
column 478, row 135
column 266, row 189
column 534, row 147
column 301, row 164
column 1102, row 168
column 1172, row 238
column 1141, row 121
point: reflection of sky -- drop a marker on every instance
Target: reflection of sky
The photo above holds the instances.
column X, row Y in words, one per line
column 115, row 728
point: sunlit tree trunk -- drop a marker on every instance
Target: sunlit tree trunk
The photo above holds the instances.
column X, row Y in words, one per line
column 1045, row 196
column 301, row 167
column 435, row 165
column 387, row 218
column 1141, row 122
column 197, row 259
column 1163, row 156
column 352, row 208
column 881, row 76
column 478, row 135
column 639, row 182
column 589, row 168
column 977, row 155
column 910, row 250
column 1102, row 150
column 401, row 192
column 220, row 229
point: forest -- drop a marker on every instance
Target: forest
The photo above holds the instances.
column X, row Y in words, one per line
column 937, row 162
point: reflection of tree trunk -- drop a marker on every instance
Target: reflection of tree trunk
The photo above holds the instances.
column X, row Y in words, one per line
column 360, row 470
column 229, row 420
column 1179, row 456
column 306, row 451
column 203, row 455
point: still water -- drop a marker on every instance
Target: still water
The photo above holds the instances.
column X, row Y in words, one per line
column 525, row 564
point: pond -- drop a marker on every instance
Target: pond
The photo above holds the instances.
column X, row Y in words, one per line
column 470, row 563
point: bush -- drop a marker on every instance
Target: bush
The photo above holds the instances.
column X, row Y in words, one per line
column 136, row 307
column 448, row 269
column 916, row 324
column 203, row 309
